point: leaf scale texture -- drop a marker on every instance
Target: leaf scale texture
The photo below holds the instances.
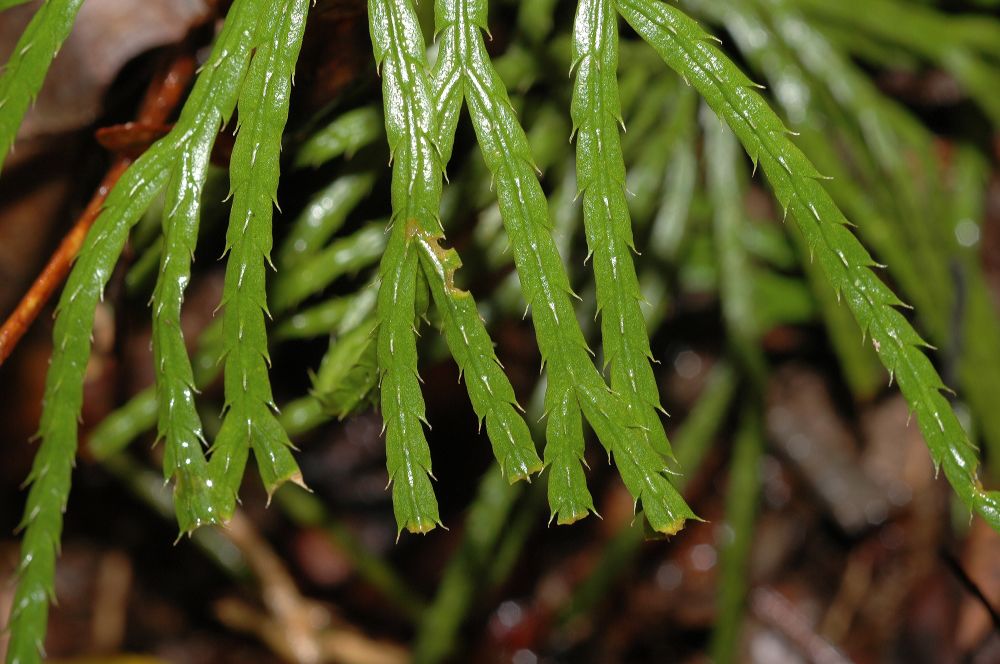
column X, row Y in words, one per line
column 208, row 108
column 251, row 420
column 25, row 70
column 687, row 49
column 416, row 190
column 600, row 170
column 574, row 385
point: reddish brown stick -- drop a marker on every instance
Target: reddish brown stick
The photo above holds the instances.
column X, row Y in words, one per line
column 161, row 98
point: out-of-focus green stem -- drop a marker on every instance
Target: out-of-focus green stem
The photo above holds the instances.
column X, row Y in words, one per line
column 324, row 214
column 484, row 525
column 741, row 511
column 343, row 257
column 345, row 135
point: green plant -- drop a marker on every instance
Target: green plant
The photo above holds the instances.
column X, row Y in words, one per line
column 375, row 349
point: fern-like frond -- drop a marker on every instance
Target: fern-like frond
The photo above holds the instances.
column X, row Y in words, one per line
column 339, row 314
column 463, row 70
column 53, row 463
column 859, row 363
column 29, row 62
column 891, row 146
column 687, row 49
column 416, row 193
column 250, row 420
column 574, row 384
column 600, row 170
column 417, row 139
column 58, row 429
column 207, row 110
column 489, row 388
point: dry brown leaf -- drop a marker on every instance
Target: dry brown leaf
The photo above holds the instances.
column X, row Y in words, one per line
column 107, row 35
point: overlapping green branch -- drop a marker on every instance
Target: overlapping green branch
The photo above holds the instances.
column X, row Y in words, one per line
column 888, row 144
column 464, row 71
column 416, row 190
column 489, row 388
column 207, row 110
column 687, row 49
column 600, row 170
column 250, row 420
column 29, row 62
column 253, row 60
column 58, row 429
column 416, row 147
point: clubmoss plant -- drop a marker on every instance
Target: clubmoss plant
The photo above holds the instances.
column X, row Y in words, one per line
column 373, row 355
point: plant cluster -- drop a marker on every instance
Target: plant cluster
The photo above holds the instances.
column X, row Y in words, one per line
column 854, row 173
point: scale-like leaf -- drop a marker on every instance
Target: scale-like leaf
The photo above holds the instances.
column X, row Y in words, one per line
column 208, row 108
column 600, row 170
column 489, row 388
column 29, row 62
column 250, row 420
column 687, row 49
column 416, row 193
column 574, row 384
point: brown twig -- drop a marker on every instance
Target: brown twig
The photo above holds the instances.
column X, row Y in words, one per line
column 774, row 609
column 343, row 645
column 162, row 96
column 970, row 586
column 297, row 628
column 299, row 619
